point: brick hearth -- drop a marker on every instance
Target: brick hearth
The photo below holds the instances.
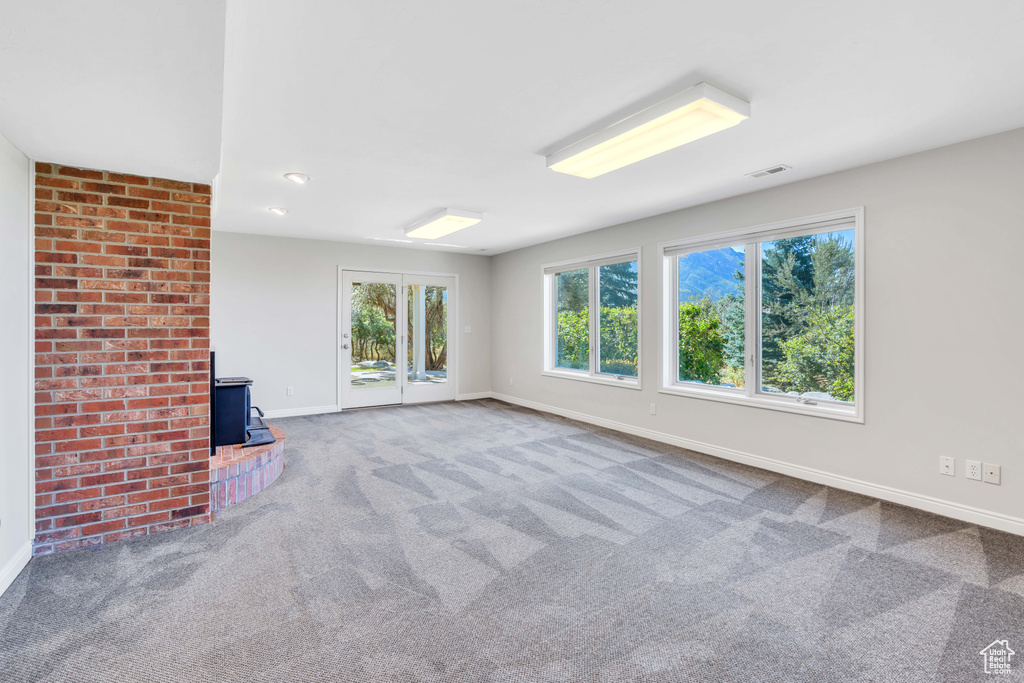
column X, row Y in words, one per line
column 238, row 473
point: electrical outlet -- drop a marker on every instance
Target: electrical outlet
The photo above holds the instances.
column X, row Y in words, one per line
column 654, row 409
column 290, row 391
column 992, row 473
column 973, row 469
column 947, row 465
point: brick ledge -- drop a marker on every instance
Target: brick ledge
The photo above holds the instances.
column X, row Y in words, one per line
column 237, row 473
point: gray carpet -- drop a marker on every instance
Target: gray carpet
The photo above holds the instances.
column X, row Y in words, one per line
column 484, row 542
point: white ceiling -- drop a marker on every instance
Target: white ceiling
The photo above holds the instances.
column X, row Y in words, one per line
column 135, row 86
column 399, row 109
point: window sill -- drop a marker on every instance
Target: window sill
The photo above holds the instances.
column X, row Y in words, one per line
column 831, row 412
column 611, row 381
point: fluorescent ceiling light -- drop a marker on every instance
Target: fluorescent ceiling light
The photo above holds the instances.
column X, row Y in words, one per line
column 389, row 239
column 443, row 223
column 300, row 178
column 441, row 244
column 692, row 114
column 280, row 211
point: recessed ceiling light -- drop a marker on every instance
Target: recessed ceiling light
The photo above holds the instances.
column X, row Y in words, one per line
column 690, row 115
column 300, row 178
column 278, row 210
column 441, row 244
column 443, row 223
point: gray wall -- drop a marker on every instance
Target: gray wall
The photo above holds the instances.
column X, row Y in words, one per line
column 15, row 527
column 944, row 234
column 274, row 312
column 943, row 230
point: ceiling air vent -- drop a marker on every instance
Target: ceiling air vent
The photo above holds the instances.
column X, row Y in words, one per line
column 769, row 171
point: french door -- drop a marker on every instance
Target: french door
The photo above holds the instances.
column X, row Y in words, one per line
column 396, row 341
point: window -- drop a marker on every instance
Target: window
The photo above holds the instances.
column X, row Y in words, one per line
column 572, row 304
column 769, row 316
column 602, row 347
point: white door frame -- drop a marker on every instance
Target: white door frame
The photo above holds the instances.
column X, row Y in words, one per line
column 453, row 334
column 428, row 393
column 369, row 395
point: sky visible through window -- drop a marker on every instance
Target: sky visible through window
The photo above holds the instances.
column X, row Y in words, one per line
column 807, row 315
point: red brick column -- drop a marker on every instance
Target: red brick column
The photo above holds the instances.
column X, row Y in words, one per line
column 122, row 356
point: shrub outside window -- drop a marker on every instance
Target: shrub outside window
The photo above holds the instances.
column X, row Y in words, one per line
column 580, row 345
column 769, row 316
column 572, row 334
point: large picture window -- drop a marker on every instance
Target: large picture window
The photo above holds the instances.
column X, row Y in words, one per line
column 769, row 316
column 592, row 319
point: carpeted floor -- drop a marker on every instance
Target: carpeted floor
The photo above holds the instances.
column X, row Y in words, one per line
column 484, row 542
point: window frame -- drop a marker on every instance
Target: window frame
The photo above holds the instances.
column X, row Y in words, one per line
column 593, row 263
column 751, row 238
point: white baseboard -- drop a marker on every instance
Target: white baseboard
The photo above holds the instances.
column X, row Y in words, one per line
column 474, row 397
column 296, row 412
column 10, row 571
column 966, row 513
column 319, row 410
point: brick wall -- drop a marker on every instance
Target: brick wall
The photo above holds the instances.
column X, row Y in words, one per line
column 122, row 356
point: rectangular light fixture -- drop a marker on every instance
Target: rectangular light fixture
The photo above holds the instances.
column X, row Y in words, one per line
column 389, row 239
column 690, row 115
column 444, row 222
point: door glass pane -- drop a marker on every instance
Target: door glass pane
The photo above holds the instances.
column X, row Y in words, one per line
column 617, row 284
column 711, row 317
column 373, row 334
column 572, row 301
column 428, row 334
column 807, row 316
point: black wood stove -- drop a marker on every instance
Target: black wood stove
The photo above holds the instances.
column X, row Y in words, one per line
column 231, row 413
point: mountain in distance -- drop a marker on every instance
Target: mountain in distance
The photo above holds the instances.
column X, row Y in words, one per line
column 709, row 273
